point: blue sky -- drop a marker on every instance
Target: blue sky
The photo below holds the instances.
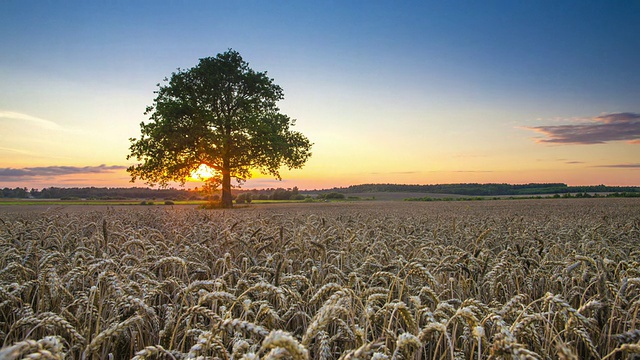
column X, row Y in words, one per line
column 406, row 92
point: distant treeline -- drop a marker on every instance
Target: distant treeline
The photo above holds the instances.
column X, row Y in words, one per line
column 584, row 195
column 100, row 193
column 293, row 193
column 142, row 193
column 487, row 189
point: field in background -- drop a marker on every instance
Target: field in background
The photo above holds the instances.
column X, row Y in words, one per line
column 16, row 204
column 399, row 196
column 58, row 202
column 521, row 278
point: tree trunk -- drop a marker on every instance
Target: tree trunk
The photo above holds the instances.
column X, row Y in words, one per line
column 227, row 201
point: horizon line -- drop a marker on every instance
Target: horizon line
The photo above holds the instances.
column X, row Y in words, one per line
column 181, row 188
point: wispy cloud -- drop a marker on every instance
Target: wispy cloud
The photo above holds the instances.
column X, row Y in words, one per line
column 472, row 171
column 12, row 174
column 620, row 166
column 468, row 155
column 574, row 162
column 599, row 130
column 17, row 151
column 394, row 173
column 12, row 115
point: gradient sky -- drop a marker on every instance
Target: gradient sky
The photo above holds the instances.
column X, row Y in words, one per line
column 416, row 92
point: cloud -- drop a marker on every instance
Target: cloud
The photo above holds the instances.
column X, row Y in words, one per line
column 11, row 174
column 17, row 151
column 574, row 162
column 472, row 171
column 620, row 166
column 12, row 115
column 394, row 173
column 599, row 130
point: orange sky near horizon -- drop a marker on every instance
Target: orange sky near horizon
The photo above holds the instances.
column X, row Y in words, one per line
column 306, row 180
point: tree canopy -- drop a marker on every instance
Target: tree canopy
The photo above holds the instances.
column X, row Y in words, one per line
column 222, row 114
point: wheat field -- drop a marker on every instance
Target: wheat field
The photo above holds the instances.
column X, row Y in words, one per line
column 531, row 279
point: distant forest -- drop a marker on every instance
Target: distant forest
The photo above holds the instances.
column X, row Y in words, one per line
column 99, row 193
column 103, row 193
column 283, row 194
column 486, row 189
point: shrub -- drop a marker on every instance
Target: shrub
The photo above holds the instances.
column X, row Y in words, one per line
column 334, row 195
column 243, row 198
column 281, row 194
column 69, row 198
column 211, row 205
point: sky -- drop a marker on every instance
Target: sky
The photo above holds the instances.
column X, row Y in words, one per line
column 412, row 92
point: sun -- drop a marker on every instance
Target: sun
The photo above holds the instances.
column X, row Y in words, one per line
column 203, row 172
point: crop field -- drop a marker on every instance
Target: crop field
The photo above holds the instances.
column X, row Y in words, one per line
column 521, row 279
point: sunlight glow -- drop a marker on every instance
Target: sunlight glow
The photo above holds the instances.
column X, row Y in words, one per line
column 203, row 172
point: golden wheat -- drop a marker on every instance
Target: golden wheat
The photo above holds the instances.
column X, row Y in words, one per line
column 502, row 279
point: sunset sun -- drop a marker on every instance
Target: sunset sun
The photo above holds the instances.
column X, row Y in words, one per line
column 203, row 172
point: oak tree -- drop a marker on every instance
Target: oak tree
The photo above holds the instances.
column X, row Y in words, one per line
column 222, row 114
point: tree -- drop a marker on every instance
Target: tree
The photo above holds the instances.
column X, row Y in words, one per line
column 220, row 113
